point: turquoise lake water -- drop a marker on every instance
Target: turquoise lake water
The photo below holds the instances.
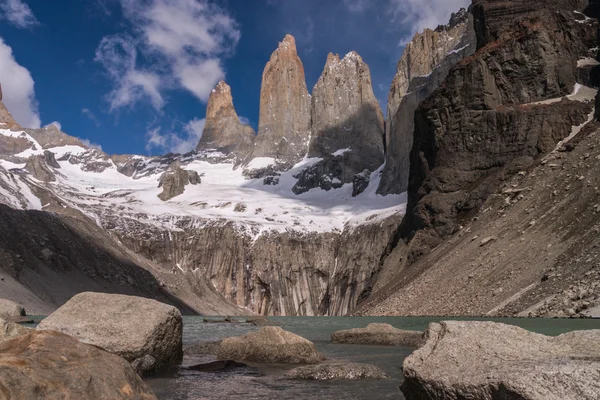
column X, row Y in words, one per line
column 267, row 383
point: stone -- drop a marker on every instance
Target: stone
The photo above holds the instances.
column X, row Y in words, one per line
column 41, row 166
column 270, row 345
column 131, row 327
column 284, row 122
column 487, row 360
column 378, row 334
column 10, row 309
column 9, row 330
column 337, row 371
column 203, row 348
column 223, row 130
column 175, row 179
column 217, row 366
column 52, row 365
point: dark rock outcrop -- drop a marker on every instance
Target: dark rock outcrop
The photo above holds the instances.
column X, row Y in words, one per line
column 41, row 166
column 52, row 365
column 285, row 121
column 486, row 360
column 486, row 121
column 336, row 371
column 424, row 65
column 347, row 125
column 175, row 179
column 270, row 345
column 378, row 334
column 223, row 130
column 143, row 331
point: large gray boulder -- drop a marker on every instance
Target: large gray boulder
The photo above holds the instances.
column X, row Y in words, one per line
column 10, row 309
column 493, row 361
column 52, row 365
column 9, row 330
column 336, row 371
column 270, row 345
column 378, row 334
column 145, row 332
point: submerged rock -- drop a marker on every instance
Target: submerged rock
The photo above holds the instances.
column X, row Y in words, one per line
column 145, row 332
column 52, row 365
column 270, row 345
column 486, row 360
column 378, row 334
column 217, row 366
column 341, row 371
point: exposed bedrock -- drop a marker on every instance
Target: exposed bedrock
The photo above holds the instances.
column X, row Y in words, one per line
column 485, row 123
column 276, row 273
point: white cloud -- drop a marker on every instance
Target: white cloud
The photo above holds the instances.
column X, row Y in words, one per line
column 88, row 113
column 18, row 89
column 356, row 5
column 244, row 120
column 86, row 142
column 17, row 13
column 421, row 14
column 172, row 142
column 184, row 40
column 56, row 124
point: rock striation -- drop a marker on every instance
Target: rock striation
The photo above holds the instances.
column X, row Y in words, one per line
column 223, row 130
column 497, row 111
column 52, row 365
column 284, row 122
column 347, row 125
column 486, row 360
column 424, row 65
column 175, row 179
column 145, row 332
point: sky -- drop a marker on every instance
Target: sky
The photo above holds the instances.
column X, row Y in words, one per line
column 134, row 76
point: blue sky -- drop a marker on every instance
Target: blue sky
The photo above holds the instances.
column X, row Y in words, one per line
column 133, row 76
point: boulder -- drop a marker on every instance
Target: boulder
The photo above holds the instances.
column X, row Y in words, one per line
column 143, row 331
column 378, row 334
column 270, row 345
column 9, row 330
column 10, row 309
column 487, row 360
column 52, row 365
column 174, row 180
column 337, row 371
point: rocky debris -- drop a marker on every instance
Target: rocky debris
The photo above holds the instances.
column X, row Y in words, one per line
column 92, row 160
column 9, row 330
column 143, row 331
column 11, row 309
column 53, row 365
column 336, row 371
column 270, row 345
column 486, row 360
column 346, row 118
column 424, row 65
column 174, row 180
column 41, row 166
column 378, row 334
column 462, row 151
column 223, row 130
column 577, row 301
column 284, row 121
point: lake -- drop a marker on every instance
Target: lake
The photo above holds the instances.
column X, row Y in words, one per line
column 263, row 382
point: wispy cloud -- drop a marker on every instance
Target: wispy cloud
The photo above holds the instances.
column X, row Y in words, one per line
column 356, row 5
column 88, row 113
column 17, row 13
column 173, row 142
column 244, row 120
column 181, row 44
column 57, row 124
column 86, row 142
column 18, row 92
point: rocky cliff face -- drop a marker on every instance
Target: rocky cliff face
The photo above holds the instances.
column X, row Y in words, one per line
column 223, row 130
column 7, row 120
column 497, row 111
column 284, row 121
column 174, row 180
column 347, row 125
column 424, row 65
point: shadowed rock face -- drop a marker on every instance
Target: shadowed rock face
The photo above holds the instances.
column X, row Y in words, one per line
column 41, row 166
column 484, row 122
column 424, row 65
column 284, row 121
column 223, row 130
column 175, row 179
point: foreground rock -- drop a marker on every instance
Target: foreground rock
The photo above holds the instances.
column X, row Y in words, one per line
column 378, row 334
column 52, row 365
column 145, row 332
column 486, row 360
column 345, row 371
column 10, row 309
column 9, row 330
column 270, row 345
